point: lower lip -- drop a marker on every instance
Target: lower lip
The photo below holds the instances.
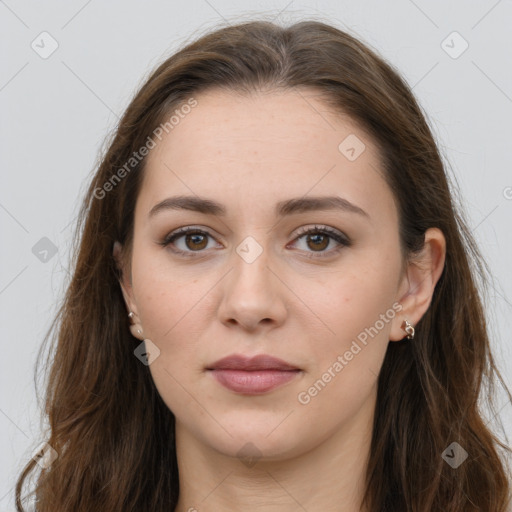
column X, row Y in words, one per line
column 253, row 382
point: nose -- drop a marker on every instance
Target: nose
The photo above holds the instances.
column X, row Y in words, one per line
column 252, row 295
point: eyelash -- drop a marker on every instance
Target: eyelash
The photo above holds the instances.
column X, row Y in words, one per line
column 341, row 239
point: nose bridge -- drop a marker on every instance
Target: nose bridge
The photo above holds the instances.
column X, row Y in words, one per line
column 251, row 267
column 250, row 293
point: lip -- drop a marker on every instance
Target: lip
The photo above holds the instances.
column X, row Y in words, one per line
column 259, row 362
column 253, row 375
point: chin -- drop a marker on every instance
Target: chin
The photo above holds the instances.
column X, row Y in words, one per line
column 255, row 435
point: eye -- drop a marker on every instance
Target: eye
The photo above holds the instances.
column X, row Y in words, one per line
column 189, row 241
column 192, row 240
column 319, row 238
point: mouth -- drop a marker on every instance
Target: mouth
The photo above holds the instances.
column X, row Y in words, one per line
column 253, row 376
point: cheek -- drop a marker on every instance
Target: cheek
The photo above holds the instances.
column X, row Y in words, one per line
column 345, row 365
column 173, row 318
column 354, row 313
column 166, row 296
column 174, row 308
column 352, row 301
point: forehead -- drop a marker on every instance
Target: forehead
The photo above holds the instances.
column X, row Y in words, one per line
column 266, row 146
column 268, row 124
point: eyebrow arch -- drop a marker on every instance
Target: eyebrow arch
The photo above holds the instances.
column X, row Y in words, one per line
column 288, row 207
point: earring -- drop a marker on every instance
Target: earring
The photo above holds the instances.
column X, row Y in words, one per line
column 131, row 314
column 409, row 329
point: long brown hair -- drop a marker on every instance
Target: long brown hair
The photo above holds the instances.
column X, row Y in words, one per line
column 114, row 435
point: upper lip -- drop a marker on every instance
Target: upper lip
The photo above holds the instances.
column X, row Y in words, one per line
column 260, row 362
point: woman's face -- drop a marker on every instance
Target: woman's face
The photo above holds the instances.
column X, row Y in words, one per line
column 250, row 281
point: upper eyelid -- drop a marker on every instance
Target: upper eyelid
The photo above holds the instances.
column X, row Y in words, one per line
column 304, row 230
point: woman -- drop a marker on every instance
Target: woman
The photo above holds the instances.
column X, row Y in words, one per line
column 274, row 302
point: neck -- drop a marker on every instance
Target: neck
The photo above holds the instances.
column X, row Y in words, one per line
column 329, row 477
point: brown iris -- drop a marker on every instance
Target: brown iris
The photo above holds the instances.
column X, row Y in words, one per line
column 195, row 238
column 320, row 241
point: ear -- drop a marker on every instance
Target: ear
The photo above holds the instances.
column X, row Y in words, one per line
column 418, row 282
column 127, row 291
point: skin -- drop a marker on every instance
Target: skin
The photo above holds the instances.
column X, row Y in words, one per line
column 248, row 153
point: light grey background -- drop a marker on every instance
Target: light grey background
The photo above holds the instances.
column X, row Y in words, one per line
column 56, row 112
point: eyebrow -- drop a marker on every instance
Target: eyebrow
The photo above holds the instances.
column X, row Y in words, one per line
column 288, row 207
